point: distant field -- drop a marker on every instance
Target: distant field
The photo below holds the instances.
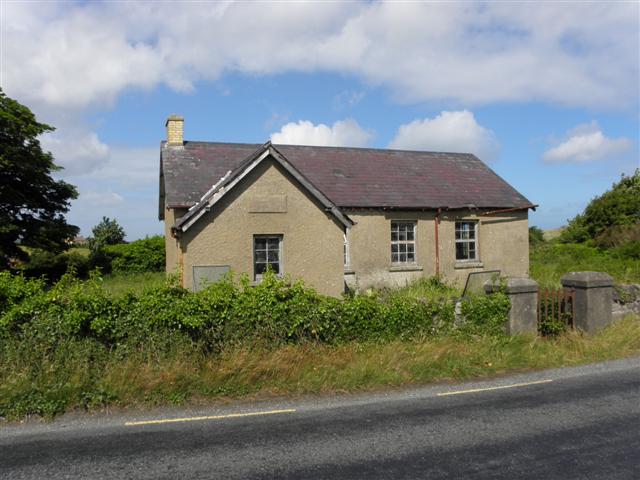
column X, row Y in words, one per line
column 553, row 233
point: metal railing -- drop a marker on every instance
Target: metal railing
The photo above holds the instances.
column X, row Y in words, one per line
column 556, row 310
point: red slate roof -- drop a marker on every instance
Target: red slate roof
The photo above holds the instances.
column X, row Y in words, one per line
column 349, row 177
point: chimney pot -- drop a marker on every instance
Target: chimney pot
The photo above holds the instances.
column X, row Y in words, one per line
column 175, row 130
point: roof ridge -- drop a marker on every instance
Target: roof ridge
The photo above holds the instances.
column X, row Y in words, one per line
column 204, row 142
column 331, row 147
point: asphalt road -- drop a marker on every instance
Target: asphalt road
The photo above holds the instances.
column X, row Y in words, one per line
column 570, row 423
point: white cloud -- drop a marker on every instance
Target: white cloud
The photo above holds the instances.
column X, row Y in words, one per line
column 343, row 133
column 131, row 167
column 128, row 209
column 71, row 55
column 124, row 186
column 82, row 154
column 77, row 151
column 586, row 143
column 448, row 132
column 67, row 60
column 100, row 199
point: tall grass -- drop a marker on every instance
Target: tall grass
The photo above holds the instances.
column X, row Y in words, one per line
column 120, row 283
column 82, row 374
column 550, row 261
column 425, row 288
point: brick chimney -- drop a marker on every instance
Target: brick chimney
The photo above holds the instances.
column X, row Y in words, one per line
column 175, row 130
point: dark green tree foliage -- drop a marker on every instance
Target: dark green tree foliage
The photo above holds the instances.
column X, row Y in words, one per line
column 618, row 207
column 107, row 232
column 536, row 236
column 32, row 203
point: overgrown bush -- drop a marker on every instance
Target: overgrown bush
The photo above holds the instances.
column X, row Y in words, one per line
column 145, row 255
column 618, row 236
column 619, row 206
column 53, row 266
column 629, row 251
column 484, row 314
column 229, row 312
column 58, row 339
column 550, row 326
column 139, row 256
column 15, row 289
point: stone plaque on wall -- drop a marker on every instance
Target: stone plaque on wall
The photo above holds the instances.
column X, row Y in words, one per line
column 268, row 204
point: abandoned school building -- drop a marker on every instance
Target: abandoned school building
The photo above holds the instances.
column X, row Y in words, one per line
column 335, row 216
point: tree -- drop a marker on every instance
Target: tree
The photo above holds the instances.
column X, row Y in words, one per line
column 616, row 209
column 32, row 203
column 107, row 232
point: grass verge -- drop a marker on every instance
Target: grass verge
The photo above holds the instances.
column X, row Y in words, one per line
column 81, row 375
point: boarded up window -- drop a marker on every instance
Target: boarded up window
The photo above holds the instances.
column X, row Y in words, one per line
column 204, row 275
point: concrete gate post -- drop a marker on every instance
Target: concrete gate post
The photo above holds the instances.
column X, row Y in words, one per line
column 523, row 295
column 593, row 299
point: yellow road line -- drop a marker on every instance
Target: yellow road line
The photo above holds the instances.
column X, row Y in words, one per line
column 210, row 417
column 474, row 390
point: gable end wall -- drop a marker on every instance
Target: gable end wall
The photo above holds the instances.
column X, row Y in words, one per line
column 312, row 239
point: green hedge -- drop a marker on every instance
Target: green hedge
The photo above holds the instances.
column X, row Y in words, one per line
column 57, row 339
column 53, row 266
column 231, row 312
column 145, row 255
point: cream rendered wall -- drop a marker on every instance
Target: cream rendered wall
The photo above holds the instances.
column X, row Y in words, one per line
column 312, row 239
column 503, row 244
column 370, row 248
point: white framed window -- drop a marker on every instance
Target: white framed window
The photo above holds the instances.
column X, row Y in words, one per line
column 403, row 242
column 466, row 241
column 267, row 253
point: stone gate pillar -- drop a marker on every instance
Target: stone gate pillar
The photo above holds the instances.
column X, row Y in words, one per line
column 593, row 299
column 523, row 295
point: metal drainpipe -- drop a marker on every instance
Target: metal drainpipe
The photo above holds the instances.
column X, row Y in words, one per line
column 437, row 221
column 181, row 263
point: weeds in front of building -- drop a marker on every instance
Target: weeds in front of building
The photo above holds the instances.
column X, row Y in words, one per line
column 77, row 345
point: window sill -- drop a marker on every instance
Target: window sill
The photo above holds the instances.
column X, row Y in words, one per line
column 405, row 268
column 462, row 265
column 257, row 281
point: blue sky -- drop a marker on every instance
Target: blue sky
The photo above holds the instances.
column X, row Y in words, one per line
column 547, row 95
